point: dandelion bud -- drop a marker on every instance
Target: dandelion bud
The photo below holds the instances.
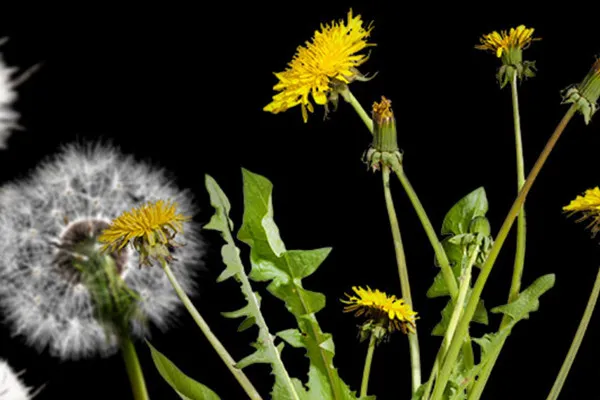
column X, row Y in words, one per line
column 585, row 94
column 384, row 148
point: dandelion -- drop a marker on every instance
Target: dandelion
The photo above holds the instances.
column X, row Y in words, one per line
column 584, row 96
column 379, row 308
column 503, row 43
column 589, row 206
column 56, row 289
column 509, row 48
column 11, row 387
column 323, row 66
column 8, row 95
column 151, row 228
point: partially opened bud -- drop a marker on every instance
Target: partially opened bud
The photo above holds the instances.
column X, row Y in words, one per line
column 585, row 94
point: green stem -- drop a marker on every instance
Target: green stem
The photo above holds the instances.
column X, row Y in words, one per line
column 463, row 325
column 413, row 339
column 349, row 97
column 225, row 356
column 515, row 286
column 367, row 370
column 583, row 324
column 134, row 370
column 438, row 249
column 458, row 308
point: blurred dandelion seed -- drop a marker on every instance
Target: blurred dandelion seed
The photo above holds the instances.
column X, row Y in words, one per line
column 11, row 387
column 68, row 201
column 8, row 117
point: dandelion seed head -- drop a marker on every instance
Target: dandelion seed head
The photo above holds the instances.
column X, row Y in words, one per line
column 11, row 387
column 71, row 195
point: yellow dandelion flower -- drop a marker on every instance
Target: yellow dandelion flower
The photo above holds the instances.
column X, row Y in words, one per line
column 503, row 42
column 377, row 306
column 331, row 57
column 589, row 206
column 151, row 227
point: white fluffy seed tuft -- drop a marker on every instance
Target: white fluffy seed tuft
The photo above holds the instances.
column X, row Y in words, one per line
column 83, row 182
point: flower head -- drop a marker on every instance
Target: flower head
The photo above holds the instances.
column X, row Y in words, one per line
column 54, row 280
column 387, row 311
column 501, row 43
column 509, row 47
column 329, row 60
column 8, row 117
column 589, row 206
column 150, row 227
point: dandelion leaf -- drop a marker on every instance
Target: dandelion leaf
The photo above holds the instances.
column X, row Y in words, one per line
column 265, row 350
column 284, row 270
column 184, row 386
column 528, row 300
column 459, row 217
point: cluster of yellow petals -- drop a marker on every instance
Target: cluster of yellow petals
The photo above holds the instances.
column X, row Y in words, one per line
column 518, row 37
column 589, row 206
column 331, row 55
column 150, row 222
column 375, row 304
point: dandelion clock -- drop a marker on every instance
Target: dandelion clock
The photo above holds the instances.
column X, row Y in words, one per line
column 60, row 289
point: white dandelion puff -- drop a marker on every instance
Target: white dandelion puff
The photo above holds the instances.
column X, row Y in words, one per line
column 11, row 387
column 69, row 198
column 8, row 117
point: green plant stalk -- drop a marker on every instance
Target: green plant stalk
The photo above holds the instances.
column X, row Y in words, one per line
column 134, row 369
column 220, row 349
column 463, row 325
column 515, row 286
column 349, row 97
column 364, row 387
column 583, row 324
column 458, row 307
column 438, row 249
column 413, row 339
column 262, row 324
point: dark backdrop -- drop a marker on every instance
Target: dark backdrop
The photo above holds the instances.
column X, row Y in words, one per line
column 184, row 87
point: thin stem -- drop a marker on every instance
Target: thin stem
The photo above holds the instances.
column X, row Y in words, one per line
column 515, row 286
column 413, row 339
column 583, row 324
column 349, row 97
column 463, row 325
column 134, row 370
column 225, row 356
column 438, row 249
column 367, row 370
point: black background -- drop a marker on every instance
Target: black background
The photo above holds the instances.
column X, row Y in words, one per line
column 184, row 87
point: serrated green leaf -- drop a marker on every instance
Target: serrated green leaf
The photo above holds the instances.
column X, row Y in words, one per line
column 266, row 351
column 285, row 271
column 528, row 300
column 258, row 220
column 185, row 386
column 220, row 221
column 293, row 337
column 459, row 217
